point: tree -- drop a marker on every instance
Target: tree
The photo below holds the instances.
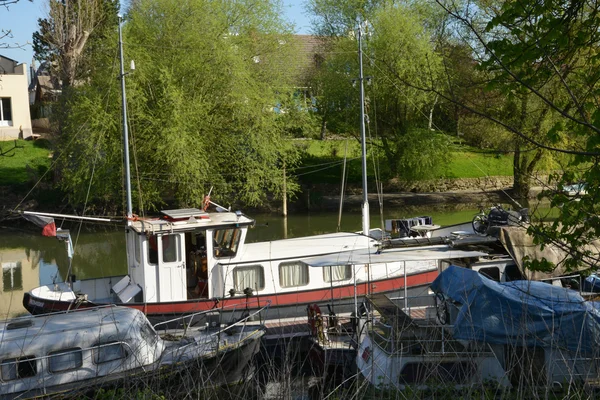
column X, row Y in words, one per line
column 545, row 54
column 64, row 34
column 200, row 109
column 398, row 50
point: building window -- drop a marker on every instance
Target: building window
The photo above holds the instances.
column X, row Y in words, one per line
column 170, row 248
column 109, row 352
column 251, row 276
column 65, row 360
column 17, row 368
column 337, row 273
column 293, row 274
column 12, row 276
column 5, row 112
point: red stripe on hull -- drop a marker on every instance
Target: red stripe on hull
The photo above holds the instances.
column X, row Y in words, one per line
column 277, row 300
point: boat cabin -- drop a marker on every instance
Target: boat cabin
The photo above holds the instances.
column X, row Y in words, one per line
column 170, row 258
column 56, row 352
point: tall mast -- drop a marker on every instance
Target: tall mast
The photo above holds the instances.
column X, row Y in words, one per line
column 125, row 132
column 363, row 141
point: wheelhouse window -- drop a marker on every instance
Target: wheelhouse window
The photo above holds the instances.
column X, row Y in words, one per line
column 170, row 248
column 5, row 111
column 109, row 352
column 292, row 274
column 252, row 276
column 336, row 273
column 136, row 246
column 65, row 360
column 17, row 368
column 152, row 250
column 226, row 242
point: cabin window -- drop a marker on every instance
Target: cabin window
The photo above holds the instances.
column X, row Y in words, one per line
column 170, row 248
column 512, row 273
column 152, row 250
column 251, row 276
column 293, row 274
column 17, row 368
column 136, row 247
column 65, row 360
column 148, row 333
column 226, row 242
column 109, row 352
column 458, row 372
column 492, row 273
column 336, row 273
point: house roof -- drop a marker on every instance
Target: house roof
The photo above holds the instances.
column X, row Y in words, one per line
column 309, row 50
column 9, row 59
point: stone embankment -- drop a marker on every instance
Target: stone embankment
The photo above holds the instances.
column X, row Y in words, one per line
column 454, row 193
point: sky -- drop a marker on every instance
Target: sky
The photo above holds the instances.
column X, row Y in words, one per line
column 21, row 19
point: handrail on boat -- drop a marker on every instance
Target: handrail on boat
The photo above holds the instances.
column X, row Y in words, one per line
column 229, row 308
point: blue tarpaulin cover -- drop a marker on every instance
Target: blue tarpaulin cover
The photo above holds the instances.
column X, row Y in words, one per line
column 523, row 313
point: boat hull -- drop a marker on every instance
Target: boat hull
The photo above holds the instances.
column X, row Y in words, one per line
column 282, row 305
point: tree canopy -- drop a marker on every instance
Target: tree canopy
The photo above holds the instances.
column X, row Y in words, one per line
column 200, row 103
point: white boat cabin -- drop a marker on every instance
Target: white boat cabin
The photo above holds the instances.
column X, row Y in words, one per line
column 54, row 352
column 169, row 258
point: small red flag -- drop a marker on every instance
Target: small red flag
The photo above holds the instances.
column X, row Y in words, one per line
column 46, row 223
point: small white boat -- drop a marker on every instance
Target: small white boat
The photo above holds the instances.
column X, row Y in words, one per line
column 79, row 351
column 399, row 352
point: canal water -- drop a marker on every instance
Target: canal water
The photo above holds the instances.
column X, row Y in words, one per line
column 29, row 260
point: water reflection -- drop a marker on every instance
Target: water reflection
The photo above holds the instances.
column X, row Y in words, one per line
column 29, row 260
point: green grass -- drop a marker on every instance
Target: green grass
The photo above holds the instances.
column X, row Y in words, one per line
column 465, row 162
column 23, row 161
column 475, row 164
column 28, row 161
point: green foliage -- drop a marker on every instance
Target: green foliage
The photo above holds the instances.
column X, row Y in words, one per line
column 545, row 57
column 422, row 155
column 397, row 56
column 200, row 106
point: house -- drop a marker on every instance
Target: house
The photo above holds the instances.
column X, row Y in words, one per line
column 15, row 120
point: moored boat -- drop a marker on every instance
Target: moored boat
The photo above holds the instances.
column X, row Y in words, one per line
column 80, row 351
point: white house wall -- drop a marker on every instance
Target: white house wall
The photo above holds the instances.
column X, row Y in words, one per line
column 14, row 86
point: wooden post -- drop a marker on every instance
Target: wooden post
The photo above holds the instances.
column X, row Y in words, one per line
column 284, row 192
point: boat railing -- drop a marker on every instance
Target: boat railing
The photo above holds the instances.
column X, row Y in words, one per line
column 417, row 307
column 240, row 314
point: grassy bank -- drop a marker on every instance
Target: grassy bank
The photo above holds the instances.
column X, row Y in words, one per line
column 23, row 161
column 323, row 162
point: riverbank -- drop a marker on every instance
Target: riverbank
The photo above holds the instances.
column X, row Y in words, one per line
column 327, row 198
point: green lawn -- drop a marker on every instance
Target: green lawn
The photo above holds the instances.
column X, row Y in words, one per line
column 465, row 162
column 475, row 164
column 23, row 161
column 323, row 163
